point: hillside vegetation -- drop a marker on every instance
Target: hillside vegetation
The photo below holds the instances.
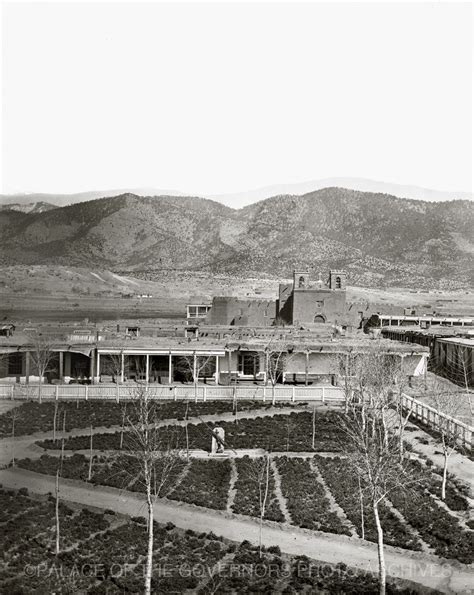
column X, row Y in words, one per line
column 378, row 239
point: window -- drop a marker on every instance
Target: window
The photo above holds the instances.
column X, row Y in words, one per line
column 338, row 282
column 301, row 281
column 249, row 364
column 15, row 363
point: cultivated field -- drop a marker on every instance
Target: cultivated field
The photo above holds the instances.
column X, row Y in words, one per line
column 313, row 496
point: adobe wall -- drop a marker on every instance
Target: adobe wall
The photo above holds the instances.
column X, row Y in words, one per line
column 308, row 303
column 240, row 312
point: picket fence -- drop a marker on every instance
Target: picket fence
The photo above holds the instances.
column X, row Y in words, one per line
column 433, row 418
column 201, row 393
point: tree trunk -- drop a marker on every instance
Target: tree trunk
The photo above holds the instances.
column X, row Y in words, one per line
column 13, row 439
column 362, row 518
column 445, row 475
column 54, row 419
column 122, row 429
column 149, row 556
column 57, row 512
column 264, row 502
column 382, row 572
column 186, row 431
column 89, row 477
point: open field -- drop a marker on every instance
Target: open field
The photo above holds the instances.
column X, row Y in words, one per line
column 45, row 293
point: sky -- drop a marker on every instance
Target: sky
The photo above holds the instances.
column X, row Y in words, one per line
column 212, row 98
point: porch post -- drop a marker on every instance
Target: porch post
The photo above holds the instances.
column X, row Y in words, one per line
column 98, row 367
column 147, row 367
column 122, row 366
column 27, row 367
column 217, row 369
column 194, row 368
column 61, row 366
column 92, row 366
column 306, row 369
column 170, row 370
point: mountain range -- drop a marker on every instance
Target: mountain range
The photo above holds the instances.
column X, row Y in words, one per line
column 241, row 199
column 379, row 239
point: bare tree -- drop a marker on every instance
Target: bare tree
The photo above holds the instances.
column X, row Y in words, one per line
column 42, row 356
column 446, row 403
column 258, row 471
column 13, row 415
column 57, row 512
column 113, row 365
column 91, row 455
column 192, row 367
column 370, row 433
column 158, row 459
column 277, row 357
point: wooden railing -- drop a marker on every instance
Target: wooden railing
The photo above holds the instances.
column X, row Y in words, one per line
column 202, row 392
column 435, row 419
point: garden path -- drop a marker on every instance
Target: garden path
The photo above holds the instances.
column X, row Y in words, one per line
column 232, row 491
column 422, row 568
column 279, row 494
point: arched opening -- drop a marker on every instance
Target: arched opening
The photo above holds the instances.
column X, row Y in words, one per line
column 301, row 282
column 319, row 319
column 338, row 282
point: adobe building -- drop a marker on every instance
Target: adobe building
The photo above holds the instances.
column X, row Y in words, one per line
column 304, row 302
column 301, row 303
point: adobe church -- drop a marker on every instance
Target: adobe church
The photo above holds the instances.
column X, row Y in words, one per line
column 301, row 303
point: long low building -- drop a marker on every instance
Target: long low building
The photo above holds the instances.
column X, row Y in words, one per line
column 218, row 357
column 451, row 351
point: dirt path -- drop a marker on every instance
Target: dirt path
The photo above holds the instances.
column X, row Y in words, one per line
column 427, row 570
column 279, row 493
column 234, row 476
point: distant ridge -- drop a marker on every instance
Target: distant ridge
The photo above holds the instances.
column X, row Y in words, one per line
column 379, row 239
column 238, row 200
column 28, row 207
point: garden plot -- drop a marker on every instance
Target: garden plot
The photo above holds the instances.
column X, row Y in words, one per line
column 438, row 528
column 274, row 433
column 306, row 498
column 206, row 483
column 247, row 487
column 35, row 417
column 103, row 552
column 343, row 484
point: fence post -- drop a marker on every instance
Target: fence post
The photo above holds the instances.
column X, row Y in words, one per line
column 293, row 395
column 11, row 392
column 264, row 393
column 322, row 396
column 86, row 392
column 204, row 393
column 175, row 396
column 56, row 392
